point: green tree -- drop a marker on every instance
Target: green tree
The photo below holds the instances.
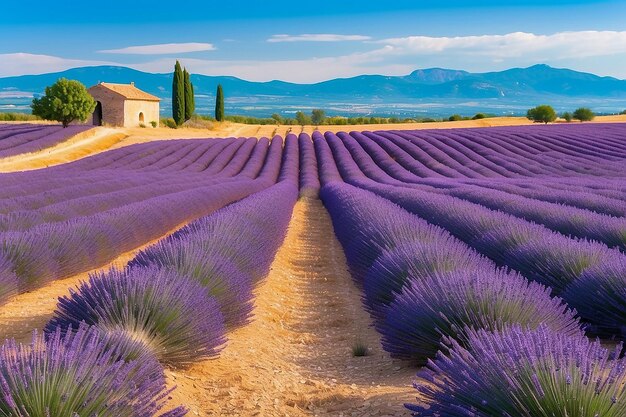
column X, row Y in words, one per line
column 278, row 118
column 189, row 99
column 479, row 116
column 64, row 101
column 583, row 114
column 318, row 116
column 455, row 118
column 567, row 116
column 219, row 104
column 302, row 119
column 541, row 114
column 178, row 95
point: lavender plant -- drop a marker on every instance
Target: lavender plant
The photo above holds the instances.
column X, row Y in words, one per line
column 599, row 295
column 518, row 372
column 171, row 314
column 79, row 374
column 8, row 280
column 444, row 304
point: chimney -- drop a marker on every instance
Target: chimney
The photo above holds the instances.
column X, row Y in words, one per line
column 132, row 83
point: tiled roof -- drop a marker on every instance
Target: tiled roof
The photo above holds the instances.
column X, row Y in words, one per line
column 128, row 91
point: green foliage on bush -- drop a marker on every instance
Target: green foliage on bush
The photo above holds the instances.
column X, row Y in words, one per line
column 455, row 118
column 65, row 101
column 584, row 114
column 567, row 116
column 169, row 122
column 318, row 116
column 153, row 123
column 302, row 118
column 18, row 117
column 541, row 114
column 478, row 116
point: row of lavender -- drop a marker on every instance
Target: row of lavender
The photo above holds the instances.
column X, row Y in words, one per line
column 396, row 168
column 509, row 349
column 570, row 266
column 171, row 305
column 509, row 152
column 55, row 226
column 16, row 139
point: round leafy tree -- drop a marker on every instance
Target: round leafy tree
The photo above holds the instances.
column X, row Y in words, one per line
column 583, row 114
column 542, row 114
column 65, row 101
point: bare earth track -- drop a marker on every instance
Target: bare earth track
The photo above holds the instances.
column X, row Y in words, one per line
column 295, row 357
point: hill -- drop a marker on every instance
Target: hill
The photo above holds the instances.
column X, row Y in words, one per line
column 503, row 92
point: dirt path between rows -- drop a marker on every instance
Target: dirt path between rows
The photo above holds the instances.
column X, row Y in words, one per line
column 295, row 357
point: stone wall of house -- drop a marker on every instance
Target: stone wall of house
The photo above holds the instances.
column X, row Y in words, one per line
column 133, row 109
column 112, row 106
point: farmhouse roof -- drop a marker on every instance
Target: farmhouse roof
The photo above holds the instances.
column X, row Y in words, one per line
column 128, row 91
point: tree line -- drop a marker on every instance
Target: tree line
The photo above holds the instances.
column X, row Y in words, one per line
column 546, row 114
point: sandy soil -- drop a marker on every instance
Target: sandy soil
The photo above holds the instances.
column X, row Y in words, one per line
column 295, row 357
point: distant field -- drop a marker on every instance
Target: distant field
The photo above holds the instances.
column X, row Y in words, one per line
column 318, row 272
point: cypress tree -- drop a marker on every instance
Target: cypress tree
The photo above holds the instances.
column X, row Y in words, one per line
column 219, row 104
column 178, row 95
column 189, row 102
column 193, row 99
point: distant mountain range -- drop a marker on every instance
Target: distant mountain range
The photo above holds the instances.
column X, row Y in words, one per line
column 433, row 91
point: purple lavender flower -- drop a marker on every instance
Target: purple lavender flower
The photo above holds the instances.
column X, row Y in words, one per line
column 518, row 372
column 171, row 314
column 444, row 304
column 80, row 373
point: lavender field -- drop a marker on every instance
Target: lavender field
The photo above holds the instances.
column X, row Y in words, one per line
column 16, row 139
column 490, row 263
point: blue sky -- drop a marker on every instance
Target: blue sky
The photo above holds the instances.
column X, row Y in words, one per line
column 313, row 41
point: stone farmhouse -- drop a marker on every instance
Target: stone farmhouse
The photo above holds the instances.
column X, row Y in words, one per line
column 123, row 105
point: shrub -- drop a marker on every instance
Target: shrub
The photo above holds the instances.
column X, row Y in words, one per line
column 359, row 349
column 598, row 295
column 318, row 116
column 79, row 374
column 64, row 101
column 541, row 114
column 302, row 118
column 31, row 259
column 8, row 280
column 153, row 123
column 478, row 116
column 567, row 116
column 583, row 114
column 445, row 304
column 221, row 279
column 18, row 117
column 390, row 272
column 455, row 118
column 169, row 122
column 172, row 314
column 522, row 373
column 142, row 125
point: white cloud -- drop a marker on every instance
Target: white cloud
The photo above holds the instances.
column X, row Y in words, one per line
column 24, row 63
column 534, row 48
column 319, row 37
column 309, row 70
column 162, row 49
